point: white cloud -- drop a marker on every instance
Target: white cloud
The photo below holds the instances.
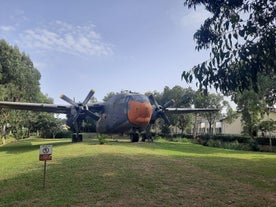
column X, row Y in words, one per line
column 67, row 38
column 6, row 28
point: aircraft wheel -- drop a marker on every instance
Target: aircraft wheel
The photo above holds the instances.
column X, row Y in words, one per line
column 74, row 138
column 134, row 137
column 144, row 137
column 80, row 138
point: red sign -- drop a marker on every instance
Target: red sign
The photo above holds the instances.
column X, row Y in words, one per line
column 45, row 157
column 45, row 152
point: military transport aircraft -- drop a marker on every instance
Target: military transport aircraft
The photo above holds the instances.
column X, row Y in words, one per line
column 126, row 112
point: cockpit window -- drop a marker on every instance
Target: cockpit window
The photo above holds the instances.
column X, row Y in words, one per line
column 139, row 98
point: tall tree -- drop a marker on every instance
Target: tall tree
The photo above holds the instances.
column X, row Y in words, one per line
column 241, row 37
column 267, row 127
column 19, row 81
column 183, row 97
column 252, row 108
column 210, row 101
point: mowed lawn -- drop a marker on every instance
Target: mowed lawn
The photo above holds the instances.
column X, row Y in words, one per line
column 120, row 173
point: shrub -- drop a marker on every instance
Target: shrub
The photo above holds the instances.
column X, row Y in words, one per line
column 64, row 134
column 180, row 139
column 102, row 139
column 214, row 143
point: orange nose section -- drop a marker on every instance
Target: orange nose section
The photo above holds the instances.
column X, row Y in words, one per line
column 139, row 113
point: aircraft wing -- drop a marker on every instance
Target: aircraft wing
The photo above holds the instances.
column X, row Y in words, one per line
column 52, row 108
column 189, row 110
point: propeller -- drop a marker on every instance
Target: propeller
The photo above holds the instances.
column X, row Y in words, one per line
column 159, row 111
column 78, row 109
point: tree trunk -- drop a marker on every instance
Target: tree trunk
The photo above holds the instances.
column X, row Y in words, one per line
column 210, row 129
column 4, row 134
column 270, row 144
column 195, row 127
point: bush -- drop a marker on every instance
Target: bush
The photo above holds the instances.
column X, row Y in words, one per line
column 235, row 142
column 188, row 136
column 214, row 143
column 64, row 134
column 265, row 141
column 227, row 145
column 180, row 139
column 102, row 139
column 226, row 138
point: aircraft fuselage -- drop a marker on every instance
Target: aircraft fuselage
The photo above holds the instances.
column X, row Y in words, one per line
column 124, row 112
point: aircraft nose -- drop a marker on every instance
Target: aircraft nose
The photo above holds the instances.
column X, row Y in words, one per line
column 139, row 113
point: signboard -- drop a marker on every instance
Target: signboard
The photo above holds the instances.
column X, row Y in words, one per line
column 45, row 152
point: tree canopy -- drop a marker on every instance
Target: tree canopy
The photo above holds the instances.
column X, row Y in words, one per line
column 240, row 35
column 186, row 97
column 19, row 81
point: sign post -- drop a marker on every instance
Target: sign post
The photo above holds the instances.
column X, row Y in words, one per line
column 45, row 153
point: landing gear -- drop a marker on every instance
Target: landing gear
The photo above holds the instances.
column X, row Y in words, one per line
column 148, row 137
column 146, row 134
column 134, row 137
column 76, row 138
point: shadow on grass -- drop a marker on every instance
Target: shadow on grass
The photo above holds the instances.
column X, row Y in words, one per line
column 191, row 148
column 29, row 144
column 177, row 147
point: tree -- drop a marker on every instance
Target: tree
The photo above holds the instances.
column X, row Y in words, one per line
column 267, row 127
column 210, row 101
column 184, row 122
column 183, row 97
column 252, row 108
column 19, row 81
column 47, row 125
column 241, row 37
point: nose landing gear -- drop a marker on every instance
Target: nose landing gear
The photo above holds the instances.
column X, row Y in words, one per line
column 134, row 137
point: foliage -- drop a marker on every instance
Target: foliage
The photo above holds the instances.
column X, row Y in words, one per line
column 230, row 142
column 241, row 37
column 266, row 140
column 184, row 122
column 88, row 125
column 210, row 101
column 252, row 108
column 64, row 133
column 102, row 138
column 228, row 145
column 180, row 139
column 231, row 115
column 267, row 127
column 183, row 97
column 19, row 81
column 187, row 97
column 166, row 131
column 48, row 125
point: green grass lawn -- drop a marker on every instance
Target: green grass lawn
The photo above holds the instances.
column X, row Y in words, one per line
column 135, row 174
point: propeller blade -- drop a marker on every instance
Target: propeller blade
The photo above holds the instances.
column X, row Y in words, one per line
column 92, row 115
column 153, row 101
column 166, row 119
column 72, row 120
column 168, row 104
column 68, row 100
column 88, row 97
column 159, row 110
column 75, row 118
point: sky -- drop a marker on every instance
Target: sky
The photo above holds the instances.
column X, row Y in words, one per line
column 104, row 45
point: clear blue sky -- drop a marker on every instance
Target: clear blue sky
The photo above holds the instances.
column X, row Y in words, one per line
column 105, row 45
